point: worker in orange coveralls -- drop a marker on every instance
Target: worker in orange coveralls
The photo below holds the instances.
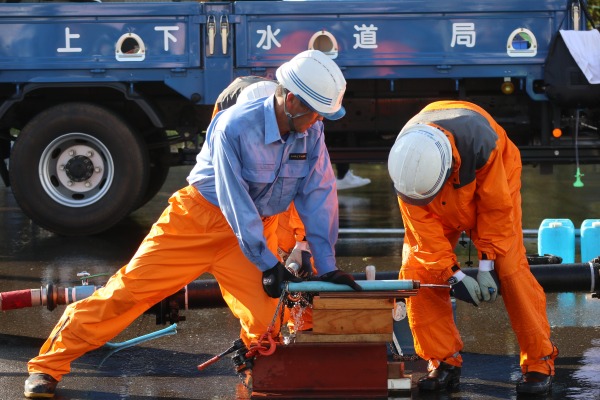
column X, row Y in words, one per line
column 258, row 157
column 455, row 170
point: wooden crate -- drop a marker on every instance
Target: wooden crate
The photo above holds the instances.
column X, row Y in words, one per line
column 350, row 320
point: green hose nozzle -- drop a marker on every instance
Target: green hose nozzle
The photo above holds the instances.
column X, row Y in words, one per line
column 578, row 176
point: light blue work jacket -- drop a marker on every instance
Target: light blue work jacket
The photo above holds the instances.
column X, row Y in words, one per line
column 250, row 172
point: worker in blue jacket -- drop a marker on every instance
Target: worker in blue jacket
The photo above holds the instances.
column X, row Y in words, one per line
column 259, row 156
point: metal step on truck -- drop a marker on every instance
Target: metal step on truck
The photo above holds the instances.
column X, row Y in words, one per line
column 99, row 99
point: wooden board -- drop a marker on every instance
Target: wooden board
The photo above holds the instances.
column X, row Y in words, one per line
column 312, row 337
column 343, row 322
column 349, row 304
column 395, row 369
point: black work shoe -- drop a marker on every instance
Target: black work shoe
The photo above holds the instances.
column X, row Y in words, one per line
column 445, row 376
column 534, row 383
column 40, row 386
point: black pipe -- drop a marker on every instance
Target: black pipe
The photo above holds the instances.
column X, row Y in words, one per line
column 205, row 293
column 568, row 277
column 554, row 278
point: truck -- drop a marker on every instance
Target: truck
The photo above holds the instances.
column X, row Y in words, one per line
column 99, row 99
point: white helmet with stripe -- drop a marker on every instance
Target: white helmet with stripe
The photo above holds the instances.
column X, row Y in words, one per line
column 317, row 81
column 420, row 163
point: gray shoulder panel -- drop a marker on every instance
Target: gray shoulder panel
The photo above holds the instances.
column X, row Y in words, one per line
column 474, row 137
column 229, row 96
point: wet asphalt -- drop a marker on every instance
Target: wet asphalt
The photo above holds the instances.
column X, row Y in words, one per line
column 166, row 368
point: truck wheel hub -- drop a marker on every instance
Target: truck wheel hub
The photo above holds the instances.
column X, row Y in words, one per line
column 79, row 168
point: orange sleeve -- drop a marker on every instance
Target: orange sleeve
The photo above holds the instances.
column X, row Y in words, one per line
column 495, row 218
column 429, row 247
column 497, row 182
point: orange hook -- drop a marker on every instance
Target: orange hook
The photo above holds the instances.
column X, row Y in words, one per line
column 267, row 351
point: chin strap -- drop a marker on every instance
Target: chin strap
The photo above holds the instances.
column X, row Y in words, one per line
column 290, row 118
column 291, row 123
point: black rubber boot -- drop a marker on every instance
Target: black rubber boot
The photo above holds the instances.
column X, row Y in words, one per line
column 445, row 376
column 39, row 386
column 534, row 383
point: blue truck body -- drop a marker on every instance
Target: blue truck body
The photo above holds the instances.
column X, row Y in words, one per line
column 153, row 71
column 75, row 42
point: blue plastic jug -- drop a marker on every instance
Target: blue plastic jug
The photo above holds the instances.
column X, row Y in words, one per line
column 590, row 239
column 557, row 237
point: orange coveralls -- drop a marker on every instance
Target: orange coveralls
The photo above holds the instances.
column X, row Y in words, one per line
column 482, row 198
column 149, row 277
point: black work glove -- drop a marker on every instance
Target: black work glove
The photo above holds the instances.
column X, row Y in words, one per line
column 273, row 278
column 306, row 269
column 343, row 278
column 465, row 288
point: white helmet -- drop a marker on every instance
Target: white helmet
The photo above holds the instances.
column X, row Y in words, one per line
column 256, row 91
column 420, row 163
column 317, row 81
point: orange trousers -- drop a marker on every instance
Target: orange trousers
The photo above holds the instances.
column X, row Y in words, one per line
column 430, row 316
column 190, row 238
column 290, row 229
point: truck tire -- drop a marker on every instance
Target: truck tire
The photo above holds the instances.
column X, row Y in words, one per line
column 160, row 164
column 78, row 169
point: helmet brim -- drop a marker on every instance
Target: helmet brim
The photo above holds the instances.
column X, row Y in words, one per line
column 423, row 201
column 336, row 115
column 331, row 116
column 416, row 202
